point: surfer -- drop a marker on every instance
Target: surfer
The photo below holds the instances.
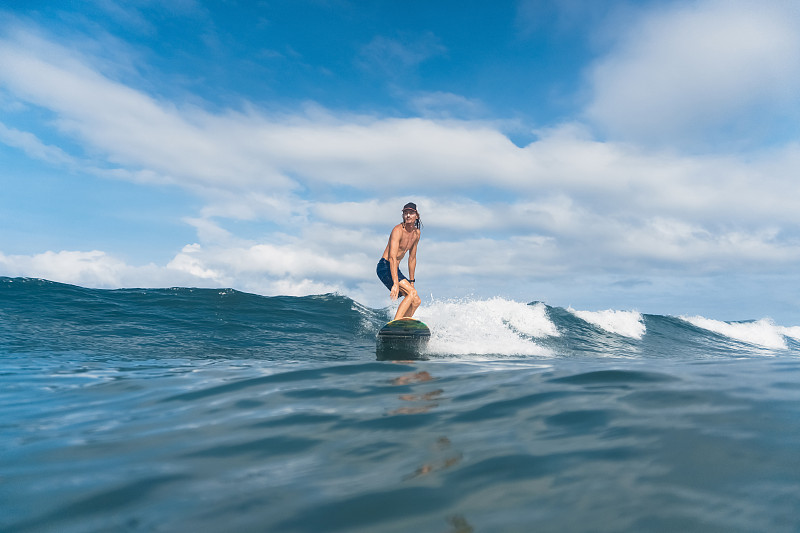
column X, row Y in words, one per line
column 404, row 238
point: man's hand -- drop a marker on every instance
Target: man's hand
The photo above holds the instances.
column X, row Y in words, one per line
column 395, row 291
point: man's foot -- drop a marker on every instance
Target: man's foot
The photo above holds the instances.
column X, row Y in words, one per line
column 403, row 318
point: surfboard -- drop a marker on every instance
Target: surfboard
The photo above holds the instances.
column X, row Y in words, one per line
column 405, row 338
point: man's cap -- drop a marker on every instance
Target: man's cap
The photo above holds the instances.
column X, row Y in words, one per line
column 410, row 205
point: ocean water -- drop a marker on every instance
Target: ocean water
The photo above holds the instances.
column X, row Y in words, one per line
column 213, row 410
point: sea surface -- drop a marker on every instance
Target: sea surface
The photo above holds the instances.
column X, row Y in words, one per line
column 202, row 410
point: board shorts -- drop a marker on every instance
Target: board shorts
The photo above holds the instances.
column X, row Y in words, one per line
column 386, row 276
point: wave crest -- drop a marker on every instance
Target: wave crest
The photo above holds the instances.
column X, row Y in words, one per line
column 625, row 323
column 762, row 332
column 481, row 327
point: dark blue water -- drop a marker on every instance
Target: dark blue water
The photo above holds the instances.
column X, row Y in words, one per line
column 214, row 410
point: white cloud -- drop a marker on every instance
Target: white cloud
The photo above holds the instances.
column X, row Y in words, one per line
column 129, row 127
column 93, row 268
column 685, row 72
column 496, row 214
column 35, row 148
column 89, row 269
column 247, row 165
column 188, row 261
column 400, row 53
column 209, row 231
column 445, row 105
column 188, row 269
column 674, row 242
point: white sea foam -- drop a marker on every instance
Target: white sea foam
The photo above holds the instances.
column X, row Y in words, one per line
column 482, row 327
column 762, row 332
column 625, row 323
column 793, row 332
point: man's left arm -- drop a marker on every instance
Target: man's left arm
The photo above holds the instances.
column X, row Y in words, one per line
column 412, row 261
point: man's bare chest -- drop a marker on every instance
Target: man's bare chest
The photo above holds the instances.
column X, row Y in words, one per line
column 405, row 244
column 407, row 240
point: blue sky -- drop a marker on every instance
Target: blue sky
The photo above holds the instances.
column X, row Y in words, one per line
column 626, row 155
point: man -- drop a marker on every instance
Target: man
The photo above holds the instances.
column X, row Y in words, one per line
column 404, row 238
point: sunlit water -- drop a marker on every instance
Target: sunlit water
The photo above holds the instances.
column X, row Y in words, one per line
column 214, row 410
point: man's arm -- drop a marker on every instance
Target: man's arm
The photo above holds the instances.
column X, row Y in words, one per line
column 394, row 245
column 412, row 260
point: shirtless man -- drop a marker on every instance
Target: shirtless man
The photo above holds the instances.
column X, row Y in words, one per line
column 404, row 238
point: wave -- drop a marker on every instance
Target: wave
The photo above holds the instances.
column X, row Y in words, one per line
column 762, row 332
column 625, row 323
column 480, row 327
column 40, row 315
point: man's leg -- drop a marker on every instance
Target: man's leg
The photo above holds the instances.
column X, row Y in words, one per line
column 411, row 300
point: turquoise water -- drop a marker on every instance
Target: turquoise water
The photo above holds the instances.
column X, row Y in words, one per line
column 214, row 410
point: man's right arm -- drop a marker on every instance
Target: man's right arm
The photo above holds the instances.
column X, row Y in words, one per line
column 394, row 246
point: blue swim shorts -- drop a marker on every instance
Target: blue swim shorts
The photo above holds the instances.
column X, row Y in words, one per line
column 386, row 276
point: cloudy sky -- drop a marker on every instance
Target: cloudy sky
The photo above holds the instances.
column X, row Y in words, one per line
column 638, row 155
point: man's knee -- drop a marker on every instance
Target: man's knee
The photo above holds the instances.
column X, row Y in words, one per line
column 415, row 299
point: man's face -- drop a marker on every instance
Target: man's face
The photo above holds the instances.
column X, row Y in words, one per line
column 409, row 215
